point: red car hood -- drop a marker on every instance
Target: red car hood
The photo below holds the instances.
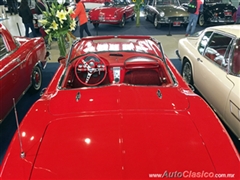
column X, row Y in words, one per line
column 134, row 140
column 105, row 10
column 120, row 145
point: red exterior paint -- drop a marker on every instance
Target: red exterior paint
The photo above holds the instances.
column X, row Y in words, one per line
column 111, row 14
column 119, row 130
column 16, row 67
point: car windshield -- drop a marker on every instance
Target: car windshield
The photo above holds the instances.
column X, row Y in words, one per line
column 167, row 2
column 197, row 34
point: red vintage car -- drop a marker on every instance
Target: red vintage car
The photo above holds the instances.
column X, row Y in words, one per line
column 117, row 108
column 116, row 12
column 21, row 63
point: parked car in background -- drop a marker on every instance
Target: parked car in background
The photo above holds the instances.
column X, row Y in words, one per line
column 117, row 108
column 216, row 12
column 21, row 63
column 163, row 12
column 211, row 62
column 116, row 12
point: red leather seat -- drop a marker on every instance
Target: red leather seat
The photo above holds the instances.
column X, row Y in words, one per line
column 142, row 77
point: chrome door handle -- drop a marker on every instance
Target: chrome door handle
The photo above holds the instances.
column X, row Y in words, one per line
column 198, row 59
column 17, row 60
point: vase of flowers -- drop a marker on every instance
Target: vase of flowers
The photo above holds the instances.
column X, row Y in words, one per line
column 58, row 24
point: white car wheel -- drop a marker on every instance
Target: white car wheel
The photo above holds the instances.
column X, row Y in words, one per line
column 187, row 72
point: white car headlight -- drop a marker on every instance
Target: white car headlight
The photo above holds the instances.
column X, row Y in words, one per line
column 161, row 14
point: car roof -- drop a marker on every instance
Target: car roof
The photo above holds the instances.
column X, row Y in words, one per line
column 230, row 29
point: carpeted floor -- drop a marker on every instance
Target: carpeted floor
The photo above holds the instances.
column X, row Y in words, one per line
column 145, row 28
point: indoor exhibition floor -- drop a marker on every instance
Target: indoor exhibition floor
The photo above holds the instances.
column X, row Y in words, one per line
column 16, row 27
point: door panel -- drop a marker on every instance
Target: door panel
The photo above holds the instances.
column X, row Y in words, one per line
column 232, row 112
column 9, row 81
column 12, row 78
column 211, row 72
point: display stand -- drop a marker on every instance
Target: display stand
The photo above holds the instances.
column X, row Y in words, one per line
column 169, row 30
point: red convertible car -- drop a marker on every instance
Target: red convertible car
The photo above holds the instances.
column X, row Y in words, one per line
column 116, row 12
column 21, row 63
column 117, row 108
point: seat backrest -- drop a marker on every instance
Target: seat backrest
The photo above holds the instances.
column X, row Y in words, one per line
column 236, row 60
column 142, row 77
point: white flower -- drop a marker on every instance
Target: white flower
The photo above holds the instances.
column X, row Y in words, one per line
column 72, row 25
column 43, row 21
column 47, row 31
column 62, row 15
column 54, row 26
column 70, row 10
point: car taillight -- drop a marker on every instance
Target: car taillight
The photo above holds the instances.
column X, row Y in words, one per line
column 228, row 13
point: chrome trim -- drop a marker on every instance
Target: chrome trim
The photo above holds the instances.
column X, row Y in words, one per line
column 78, row 96
column 235, row 111
column 159, row 94
column 165, row 62
column 116, row 74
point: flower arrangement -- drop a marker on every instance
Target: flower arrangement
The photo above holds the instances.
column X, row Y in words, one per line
column 58, row 24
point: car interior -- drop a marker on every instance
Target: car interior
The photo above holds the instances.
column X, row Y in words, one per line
column 218, row 49
column 92, row 70
column 235, row 68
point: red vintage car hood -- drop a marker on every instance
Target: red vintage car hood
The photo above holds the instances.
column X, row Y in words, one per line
column 118, row 98
column 105, row 10
column 120, row 132
column 132, row 145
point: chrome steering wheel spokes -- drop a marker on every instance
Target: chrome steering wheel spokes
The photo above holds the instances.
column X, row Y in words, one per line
column 93, row 67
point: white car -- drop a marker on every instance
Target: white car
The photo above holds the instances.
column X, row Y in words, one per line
column 211, row 62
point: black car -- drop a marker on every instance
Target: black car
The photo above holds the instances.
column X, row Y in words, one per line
column 216, row 12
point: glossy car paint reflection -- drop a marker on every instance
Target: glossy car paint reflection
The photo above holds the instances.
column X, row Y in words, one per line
column 21, row 62
column 115, row 12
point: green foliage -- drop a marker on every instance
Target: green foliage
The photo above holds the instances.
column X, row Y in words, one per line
column 57, row 20
column 137, row 8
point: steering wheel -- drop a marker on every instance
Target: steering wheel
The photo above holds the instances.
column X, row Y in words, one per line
column 90, row 70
